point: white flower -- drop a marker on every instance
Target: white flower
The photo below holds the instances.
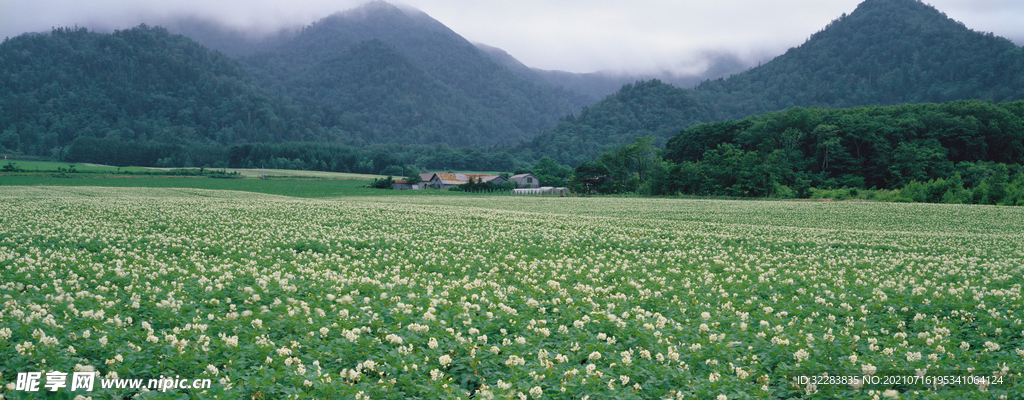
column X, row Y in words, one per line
column 212, row 369
column 868, row 369
column 445, row 360
column 801, row 355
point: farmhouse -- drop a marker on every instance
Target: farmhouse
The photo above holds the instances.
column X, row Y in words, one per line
column 525, row 181
column 445, row 180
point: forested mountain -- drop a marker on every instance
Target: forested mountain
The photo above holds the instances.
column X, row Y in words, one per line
column 411, row 79
column 885, row 52
column 139, row 85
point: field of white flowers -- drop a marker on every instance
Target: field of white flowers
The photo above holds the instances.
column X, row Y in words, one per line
column 507, row 297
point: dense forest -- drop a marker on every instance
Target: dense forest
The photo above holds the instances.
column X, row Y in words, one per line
column 860, row 147
column 400, row 103
column 967, row 151
column 886, row 52
column 650, row 108
column 411, row 79
column 139, row 85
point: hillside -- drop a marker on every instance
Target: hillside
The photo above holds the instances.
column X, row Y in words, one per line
column 440, row 88
column 885, row 52
column 138, row 85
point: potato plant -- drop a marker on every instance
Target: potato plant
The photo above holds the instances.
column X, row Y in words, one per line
column 502, row 297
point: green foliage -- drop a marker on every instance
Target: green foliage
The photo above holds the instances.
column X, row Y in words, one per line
column 592, row 177
column 138, row 153
column 382, row 183
column 626, row 169
column 12, row 167
column 1001, row 188
column 413, row 176
column 860, row 147
column 392, row 170
column 549, row 173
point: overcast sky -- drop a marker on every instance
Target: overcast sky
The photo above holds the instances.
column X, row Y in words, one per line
column 568, row 35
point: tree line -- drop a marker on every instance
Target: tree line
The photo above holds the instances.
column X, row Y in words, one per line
column 963, row 151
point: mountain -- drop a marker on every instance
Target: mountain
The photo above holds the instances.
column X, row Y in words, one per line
column 885, row 52
column 139, row 85
column 438, row 87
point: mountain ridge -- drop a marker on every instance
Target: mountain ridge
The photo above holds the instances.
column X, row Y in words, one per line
column 515, row 107
column 885, row 52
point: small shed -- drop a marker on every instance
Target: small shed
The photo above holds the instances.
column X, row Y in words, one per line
column 402, row 184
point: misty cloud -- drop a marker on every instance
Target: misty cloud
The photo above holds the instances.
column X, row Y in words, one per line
column 602, row 35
